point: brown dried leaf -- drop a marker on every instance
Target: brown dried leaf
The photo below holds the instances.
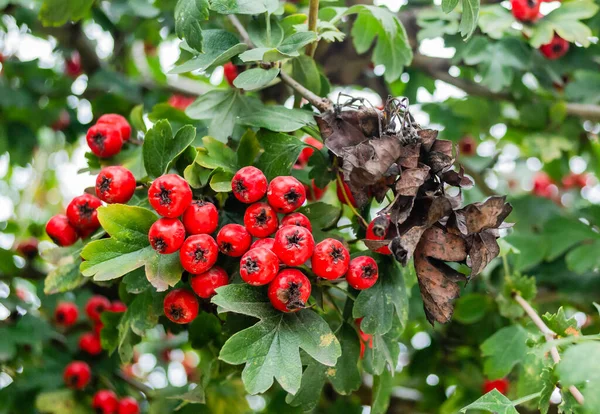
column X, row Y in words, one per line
column 402, row 209
column 409, row 155
column 428, row 137
column 457, row 179
column 483, row 248
column 411, row 179
column 338, row 133
column 479, row 216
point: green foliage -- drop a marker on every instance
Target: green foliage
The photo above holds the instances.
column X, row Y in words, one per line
column 161, row 148
column 493, row 402
column 59, row 12
column 503, row 350
column 470, row 14
column 188, row 15
column 281, row 152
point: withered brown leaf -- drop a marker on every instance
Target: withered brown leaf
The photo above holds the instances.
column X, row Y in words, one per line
column 411, row 179
column 338, row 133
column 483, row 248
column 476, row 217
column 428, row 137
column 409, row 155
column 457, row 179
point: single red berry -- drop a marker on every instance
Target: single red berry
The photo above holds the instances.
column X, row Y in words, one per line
column 128, row 405
column 205, row 284
column 261, row 220
column 82, row 212
column 286, row 194
column 105, row 402
column 180, row 306
column 525, row 10
column 119, row 121
column 201, row 217
column 296, row 219
column 166, row 235
column 73, row 65
column 234, row 240
column 267, row 243
column 249, row 185
column 66, row 314
column 231, row 72
column 313, row 192
column 60, row 230
column 575, row 181
column 289, row 291
column 115, row 184
column 28, row 248
column 104, row 140
column 330, row 259
column 307, row 152
column 362, row 272
column 294, row 245
column 90, row 343
column 117, row 306
column 180, row 102
column 259, row 266
column 556, row 49
column 95, row 306
column 63, row 121
column 77, row 375
column 500, row 384
column 543, row 186
column 467, row 146
column 198, row 253
column 348, row 193
column 378, row 230
column 170, row 195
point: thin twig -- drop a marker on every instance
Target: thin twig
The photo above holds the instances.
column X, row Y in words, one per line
column 322, row 104
column 313, row 19
column 241, row 29
column 360, row 218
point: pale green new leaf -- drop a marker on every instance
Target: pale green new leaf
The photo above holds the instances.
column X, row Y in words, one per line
column 493, row 402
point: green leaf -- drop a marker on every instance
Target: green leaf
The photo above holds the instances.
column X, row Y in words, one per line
column 495, row 21
column 549, row 381
column 66, row 275
column 255, row 78
column 304, row 70
column 204, row 329
column 59, row 402
column 127, row 224
column 560, row 324
column 493, row 402
column 163, row 270
column 278, row 118
column 345, row 376
column 136, row 117
column 471, row 308
column 584, row 258
column 261, row 37
column 470, row 14
column 322, row 216
column 575, row 368
column 585, row 87
column 311, row 387
column 288, row 48
column 194, row 396
column 244, row 6
column 382, row 392
column 188, row 15
column 59, row 12
column 504, row 350
column 563, row 233
column 220, row 182
column 161, row 149
column 515, row 283
column 280, row 153
column 248, row 149
column 217, row 155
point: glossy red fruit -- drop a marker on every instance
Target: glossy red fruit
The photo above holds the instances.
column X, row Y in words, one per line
column 77, row 375
column 28, row 248
column 170, row 195
column 198, row 253
column 575, row 181
column 66, row 314
column 249, row 185
column 205, row 284
column 82, row 213
column 89, row 342
column 556, row 49
column 289, row 291
column 348, row 194
column 294, row 245
column 362, row 272
column 526, row 10
column 73, row 65
column 166, row 235
column 467, row 146
column 307, row 152
column 378, row 230
column 230, row 71
column 180, row 306
column 259, row 266
column 180, row 102
column 63, row 121
column 261, row 220
column 60, row 230
column 105, row 402
column 314, row 193
column 296, row 219
column 330, row 259
column 119, row 121
column 285, row 194
column 234, row 240
column 95, row 306
column 500, row 384
column 104, row 140
column 201, row 217
column 115, row 184
column 267, row 243
column 117, row 306
column 128, row 405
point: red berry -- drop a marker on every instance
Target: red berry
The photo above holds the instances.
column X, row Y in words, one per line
column 467, row 146
column 205, row 284
column 95, row 306
column 128, row 405
column 170, row 195
column 104, row 140
column 543, row 186
column 556, row 49
column 60, row 230
column 28, row 248
column 231, row 72
column 180, row 306
column 234, row 240
column 575, row 181
column 119, row 121
column 261, row 220
column 308, row 151
column 201, row 217
column 117, row 306
column 259, row 266
column 525, row 10
column 90, row 343
column 77, row 375
column 180, row 102
column 314, row 193
column 115, row 184
column 267, row 243
column 348, row 192
column 500, row 384
column 105, row 402
column 362, row 272
column 98, row 328
column 166, row 235
column 73, row 65
column 364, row 339
column 63, row 121
column 330, row 259
column 249, row 185
column 294, row 245
column 296, row 219
column 66, row 314
column 289, row 291
column 82, row 213
column 286, row 194
column 378, row 230
column 198, row 253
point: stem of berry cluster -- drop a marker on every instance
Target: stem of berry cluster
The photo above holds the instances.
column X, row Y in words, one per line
column 360, row 218
column 313, row 19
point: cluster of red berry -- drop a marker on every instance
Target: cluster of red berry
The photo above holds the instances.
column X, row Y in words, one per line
column 107, row 136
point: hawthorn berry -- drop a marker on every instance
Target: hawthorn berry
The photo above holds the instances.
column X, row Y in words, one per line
column 201, row 217
column 378, row 230
column 500, row 384
column 296, row 219
column 467, row 146
column 66, row 314
column 206, row 283
column 198, row 253
column 230, row 71
column 128, row 405
column 180, row 306
column 77, row 375
column 261, row 220
column 286, row 194
column 259, row 266
column 543, row 186
column 105, row 402
column 289, row 291
column 362, row 272
column 526, row 10
column 82, row 212
column 63, row 121
column 267, row 243
column 294, row 245
column 307, row 152
column 73, row 65
column 90, row 343
column 119, row 121
column 170, row 195
column 330, row 259
column 557, row 48
column 115, row 184
column 348, row 194
column 575, row 181
column 166, row 235
column 28, row 248
column 180, row 102
column 104, row 140
column 98, row 328
column 117, row 306
column 60, row 230
column 249, row 185
column 313, row 192
column 234, row 240
column 95, row 306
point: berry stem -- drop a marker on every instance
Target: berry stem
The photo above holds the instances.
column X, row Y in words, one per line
column 356, row 213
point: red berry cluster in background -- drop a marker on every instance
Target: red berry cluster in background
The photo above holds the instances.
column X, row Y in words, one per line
column 107, row 136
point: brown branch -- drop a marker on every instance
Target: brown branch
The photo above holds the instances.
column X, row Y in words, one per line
column 313, row 18
column 241, row 29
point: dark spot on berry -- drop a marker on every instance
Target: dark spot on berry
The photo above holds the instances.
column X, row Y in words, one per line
column 262, row 218
column 99, row 140
column 199, row 203
column 199, row 255
column 74, row 380
column 293, row 297
column 368, row 272
column 60, row 317
column 557, row 48
column 292, row 196
column 159, row 244
column 531, row 3
column 85, row 210
column 294, row 240
column 239, row 187
column 176, row 312
column 99, row 410
column 226, row 247
column 251, row 265
column 165, row 196
column 336, row 254
column 105, row 184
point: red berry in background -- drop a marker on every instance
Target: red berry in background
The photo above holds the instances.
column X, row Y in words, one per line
column 234, row 240
column 82, row 213
column 556, row 49
column 180, row 102
column 166, row 235
column 117, row 306
column 364, row 339
column 543, row 186
column 259, row 266
column 206, row 283
column 105, row 402
column 62, row 122
column 261, row 220
column 341, row 197
column 66, row 314
column 77, row 375
column 378, row 230
column 362, row 272
column 98, row 328
column 104, row 140
column 28, row 248
column 500, row 384
column 230, row 71
column 201, row 217
column 525, row 10
column 314, row 193
column 60, row 230
column 286, row 194
column 330, row 259
column 118, row 121
column 467, row 146
column 575, row 181
column 115, row 184
column 296, row 219
column 170, row 195
column 73, row 65
column 90, row 343
column 307, row 152
column 249, row 185
column 180, row 306
column 95, row 306
column 267, row 243
column 128, row 405
column 198, row 253
column 294, row 245
column 289, row 291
